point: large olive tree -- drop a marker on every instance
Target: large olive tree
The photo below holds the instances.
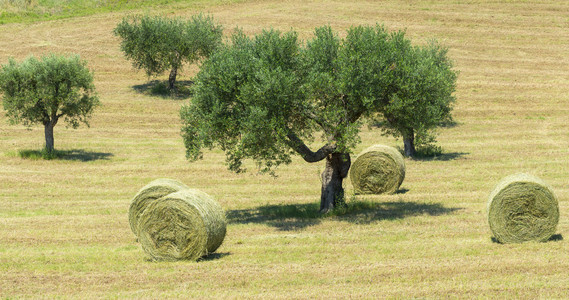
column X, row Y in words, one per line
column 46, row 90
column 269, row 97
column 157, row 44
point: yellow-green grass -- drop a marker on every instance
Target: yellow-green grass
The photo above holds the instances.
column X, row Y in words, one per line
column 64, row 228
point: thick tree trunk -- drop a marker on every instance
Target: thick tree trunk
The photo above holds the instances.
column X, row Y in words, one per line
column 172, row 78
column 409, row 143
column 49, row 142
column 337, row 166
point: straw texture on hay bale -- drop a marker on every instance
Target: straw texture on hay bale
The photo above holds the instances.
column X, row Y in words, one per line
column 522, row 208
column 154, row 190
column 183, row 225
column 378, row 169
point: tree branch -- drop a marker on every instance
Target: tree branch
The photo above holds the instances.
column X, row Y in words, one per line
column 312, row 116
column 308, row 155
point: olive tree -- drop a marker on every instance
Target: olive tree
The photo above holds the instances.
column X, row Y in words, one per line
column 157, row 44
column 422, row 95
column 270, row 97
column 46, row 90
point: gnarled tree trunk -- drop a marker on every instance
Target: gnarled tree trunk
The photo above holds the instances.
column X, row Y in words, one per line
column 337, row 166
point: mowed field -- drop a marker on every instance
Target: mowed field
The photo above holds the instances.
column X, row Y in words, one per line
column 64, row 229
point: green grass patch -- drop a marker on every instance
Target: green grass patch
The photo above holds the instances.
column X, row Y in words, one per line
column 26, row 11
column 40, row 154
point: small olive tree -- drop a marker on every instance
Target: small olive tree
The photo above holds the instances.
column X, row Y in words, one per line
column 157, row 44
column 422, row 95
column 270, row 97
column 46, row 90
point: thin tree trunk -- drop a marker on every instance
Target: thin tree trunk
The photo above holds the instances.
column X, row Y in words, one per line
column 409, row 143
column 49, row 142
column 172, row 78
column 337, row 166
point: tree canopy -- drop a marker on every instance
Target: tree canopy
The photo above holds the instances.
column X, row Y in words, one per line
column 44, row 91
column 157, row 44
column 270, row 96
column 422, row 98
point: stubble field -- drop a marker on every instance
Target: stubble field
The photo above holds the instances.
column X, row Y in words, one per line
column 64, row 228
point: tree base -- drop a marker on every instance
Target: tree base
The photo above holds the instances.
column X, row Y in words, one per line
column 337, row 167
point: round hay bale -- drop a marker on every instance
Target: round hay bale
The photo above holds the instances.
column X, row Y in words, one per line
column 522, row 208
column 154, row 190
column 378, row 169
column 183, row 225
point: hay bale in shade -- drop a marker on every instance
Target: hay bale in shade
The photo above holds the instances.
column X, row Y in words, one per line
column 378, row 169
column 154, row 190
column 183, row 225
column 522, row 208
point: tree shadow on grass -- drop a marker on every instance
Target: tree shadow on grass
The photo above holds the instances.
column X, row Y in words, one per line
column 214, row 256
column 292, row 217
column 553, row 238
column 432, row 152
column 441, row 157
column 159, row 88
column 286, row 217
column 82, row 155
column 73, row 155
column 365, row 212
column 401, row 191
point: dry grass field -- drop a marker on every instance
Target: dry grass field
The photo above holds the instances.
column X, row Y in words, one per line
column 64, row 229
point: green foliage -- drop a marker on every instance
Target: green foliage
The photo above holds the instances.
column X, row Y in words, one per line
column 349, row 79
column 157, row 44
column 246, row 97
column 42, row 91
column 426, row 145
column 422, row 93
column 264, row 97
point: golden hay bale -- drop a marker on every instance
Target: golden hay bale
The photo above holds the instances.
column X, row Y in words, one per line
column 154, row 190
column 378, row 169
column 522, row 208
column 183, row 225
